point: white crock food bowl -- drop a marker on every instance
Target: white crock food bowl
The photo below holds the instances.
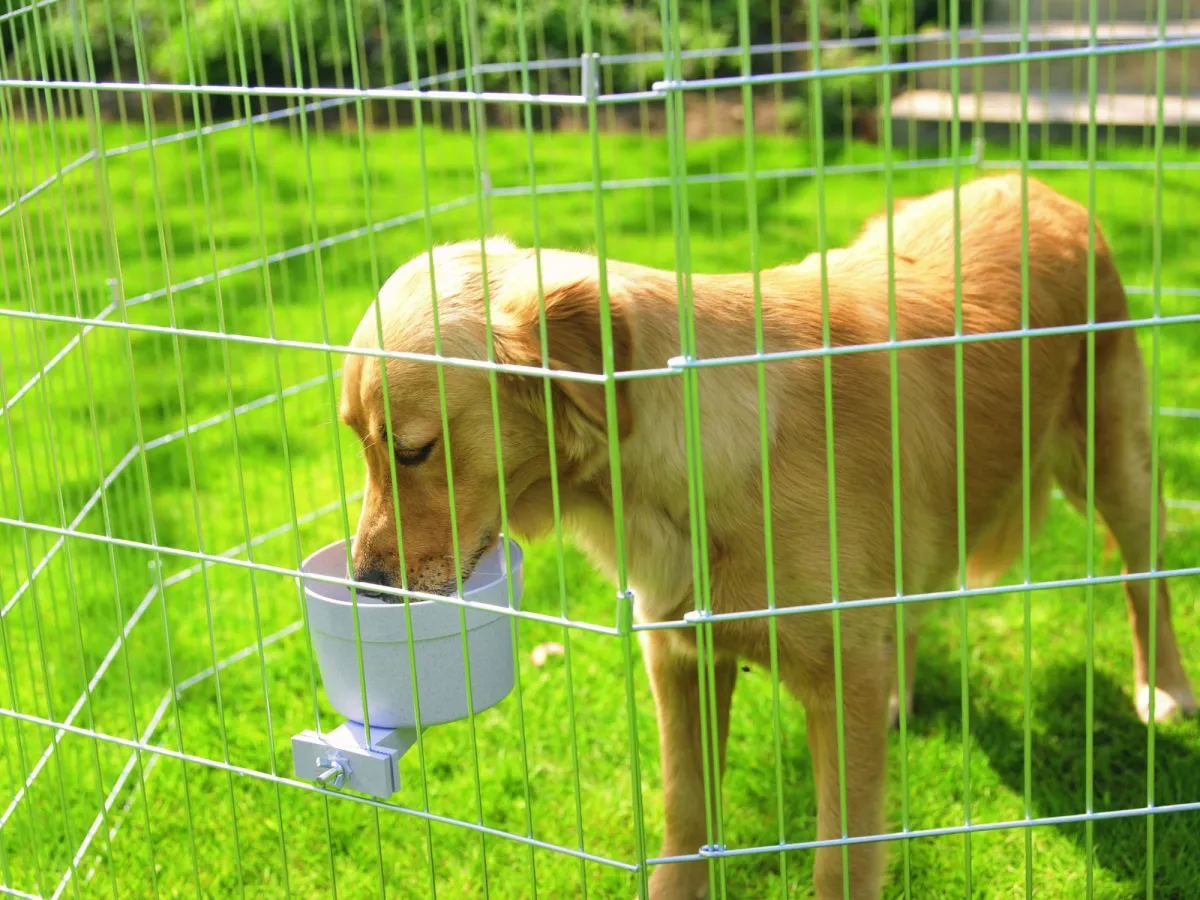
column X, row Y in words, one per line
column 436, row 642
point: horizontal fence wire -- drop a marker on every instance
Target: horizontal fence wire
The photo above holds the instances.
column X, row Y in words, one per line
column 658, row 89
column 211, row 559
column 617, row 184
column 704, row 853
column 945, row 831
column 110, row 800
column 982, row 38
column 931, row 65
column 425, row 815
column 689, row 620
column 673, row 366
column 23, row 10
column 90, row 504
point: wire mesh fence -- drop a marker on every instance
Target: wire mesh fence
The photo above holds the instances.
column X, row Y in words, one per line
column 201, row 203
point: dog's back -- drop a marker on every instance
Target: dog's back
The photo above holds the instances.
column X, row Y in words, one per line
column 1018, row 263
column 994, row 222
column 1046, row 234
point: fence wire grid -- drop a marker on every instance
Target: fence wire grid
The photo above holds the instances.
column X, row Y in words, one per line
column 200, row 202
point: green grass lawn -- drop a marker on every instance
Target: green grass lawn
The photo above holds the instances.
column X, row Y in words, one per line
column 187, row 826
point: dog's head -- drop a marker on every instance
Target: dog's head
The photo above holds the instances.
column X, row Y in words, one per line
column 430, row 454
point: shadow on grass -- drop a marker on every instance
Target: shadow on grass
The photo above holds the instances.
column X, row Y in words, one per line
column 1059, row 773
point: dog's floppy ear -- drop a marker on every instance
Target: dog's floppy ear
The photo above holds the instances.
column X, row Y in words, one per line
column 574, row 341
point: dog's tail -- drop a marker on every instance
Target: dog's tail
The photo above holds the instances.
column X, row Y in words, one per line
column 1001, row 545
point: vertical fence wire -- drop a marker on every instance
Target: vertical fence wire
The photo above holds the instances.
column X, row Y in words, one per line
column 56, row 278
column 478, row 140
column 710, row 97
column 763, row 431
column 28, row 291
column 144, row 467
column 59, row 474
column 19, row 740
column 1155, row 586
column 66, row 283
column 166, row 250
column 1026, row 472
column 466, row 13
column 226, row 368
column 335, row 442
column 960, row 488
column 13, row 189
column 709, row 737
column 1090, row 475
column 385, row 386
column 318, row 271
column 111, row 263
column 169, row 259
column 551, row 441
column 21, row 234
column 26, row 275
column 624, row 598
column 91, row 291
column 427, row 234
column 6, row 871
column 901, row 635
column 358, row 78
column 818, row 132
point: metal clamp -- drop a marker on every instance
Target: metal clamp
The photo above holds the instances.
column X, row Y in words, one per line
column 589, row 76
column 336, row 771
column 978, row 148
column 343, row 759
column 625, row 617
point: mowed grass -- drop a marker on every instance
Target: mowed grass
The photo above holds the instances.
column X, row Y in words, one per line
column 553, row 755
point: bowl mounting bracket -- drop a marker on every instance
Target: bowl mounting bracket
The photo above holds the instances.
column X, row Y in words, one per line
column 342, row 759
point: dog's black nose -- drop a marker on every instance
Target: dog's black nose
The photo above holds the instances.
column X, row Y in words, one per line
column 371, row 575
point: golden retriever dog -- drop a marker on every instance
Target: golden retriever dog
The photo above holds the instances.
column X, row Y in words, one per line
column 649, row 421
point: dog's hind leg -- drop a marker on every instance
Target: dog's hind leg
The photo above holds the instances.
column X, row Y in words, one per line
column 677, row 699
column 1123, row 499
column 863, row 745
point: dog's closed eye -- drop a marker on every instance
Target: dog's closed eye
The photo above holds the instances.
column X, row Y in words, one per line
column 414, row 456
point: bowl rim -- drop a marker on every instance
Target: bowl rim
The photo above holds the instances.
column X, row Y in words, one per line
column 515, row 555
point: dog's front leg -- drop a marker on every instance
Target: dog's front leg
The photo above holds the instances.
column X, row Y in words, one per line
column 675, row 682
column 865, row 689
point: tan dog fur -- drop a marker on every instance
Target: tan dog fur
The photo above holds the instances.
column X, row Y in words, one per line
column 650, row 416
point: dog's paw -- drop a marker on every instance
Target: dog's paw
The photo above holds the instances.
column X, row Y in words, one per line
column 1170, row 704
column 894, row 711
